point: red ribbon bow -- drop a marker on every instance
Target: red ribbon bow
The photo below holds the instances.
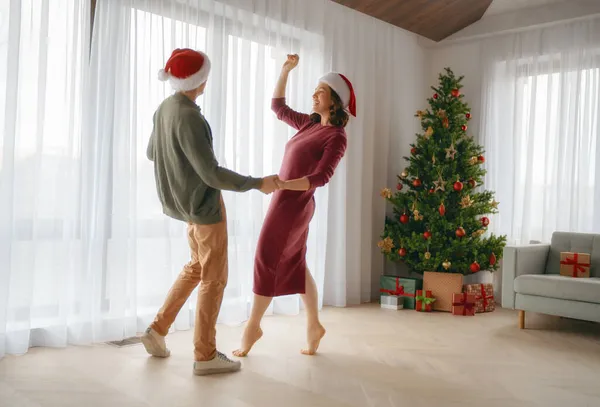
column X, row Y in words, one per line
column 577, row 267
column 484, row 297
column 398, row 291
column 467, row 306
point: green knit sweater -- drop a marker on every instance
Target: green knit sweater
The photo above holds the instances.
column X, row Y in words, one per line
column 188, row 176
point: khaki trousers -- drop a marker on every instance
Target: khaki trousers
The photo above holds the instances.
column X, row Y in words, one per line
column 209, row 268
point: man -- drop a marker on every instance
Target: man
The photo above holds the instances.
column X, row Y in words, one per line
column 189, row 181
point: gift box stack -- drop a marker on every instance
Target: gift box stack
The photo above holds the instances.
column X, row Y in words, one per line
column 399, row 292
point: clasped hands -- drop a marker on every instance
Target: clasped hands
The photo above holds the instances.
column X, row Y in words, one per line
column 270, row 184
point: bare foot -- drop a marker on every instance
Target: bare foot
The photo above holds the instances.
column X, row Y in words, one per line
column 251, row 335
column 313, row 336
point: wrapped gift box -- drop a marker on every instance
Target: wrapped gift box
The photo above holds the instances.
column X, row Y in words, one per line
column 463, row 304
column 403, row 287
column 485, row 301
column 392, row 302
column 443, row 286
column 424, row 301
column 575, row 264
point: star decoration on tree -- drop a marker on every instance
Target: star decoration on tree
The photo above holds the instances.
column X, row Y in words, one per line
column 386, row 193
column 466, row 202
column 495, row 204
column 386, row 245
column 439, row 184
column 451, row 152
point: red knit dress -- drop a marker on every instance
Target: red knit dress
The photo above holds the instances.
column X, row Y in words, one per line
column 313, row 152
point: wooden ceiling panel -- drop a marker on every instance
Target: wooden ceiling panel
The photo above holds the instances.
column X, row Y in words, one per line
column 433, row 19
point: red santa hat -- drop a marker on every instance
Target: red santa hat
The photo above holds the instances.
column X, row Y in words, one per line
column 343, row 87
column 186, row 69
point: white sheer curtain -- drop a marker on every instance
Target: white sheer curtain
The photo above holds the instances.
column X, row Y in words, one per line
column 43, row 54
column 86, row 254
column 540, row 126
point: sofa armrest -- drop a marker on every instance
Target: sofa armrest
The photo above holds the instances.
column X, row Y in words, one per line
column 517, row 261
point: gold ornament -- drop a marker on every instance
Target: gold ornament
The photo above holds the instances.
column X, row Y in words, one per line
column 429, row 132
column 495, row 204
column 420, row 114
column 386, row 193
column 446, row 265
column 386, row 245
column 417, row 215
column 404, row 174
column 451, row 152
column 433, row 159
column 478, row 233
column 427, row 255
column 439, row 184
column 466, row 202
column 473, row 160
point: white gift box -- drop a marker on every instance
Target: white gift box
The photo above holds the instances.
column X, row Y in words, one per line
column 392, row 302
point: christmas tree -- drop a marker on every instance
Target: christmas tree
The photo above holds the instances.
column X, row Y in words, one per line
column 439, row 217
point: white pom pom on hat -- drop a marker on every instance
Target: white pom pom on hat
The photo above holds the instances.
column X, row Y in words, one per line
column 163, row 75
column 186, row 69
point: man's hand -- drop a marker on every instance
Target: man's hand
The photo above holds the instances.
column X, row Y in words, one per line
column 269, row 184
column 280, row 183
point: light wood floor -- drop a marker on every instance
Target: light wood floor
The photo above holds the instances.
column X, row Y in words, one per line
column 370, row 357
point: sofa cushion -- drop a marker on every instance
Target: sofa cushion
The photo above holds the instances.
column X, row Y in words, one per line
column 566, row 288
column 574, row 242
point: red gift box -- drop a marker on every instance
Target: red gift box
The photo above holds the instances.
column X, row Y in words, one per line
column 484, row 301
column 424, row 301
column 463, row 304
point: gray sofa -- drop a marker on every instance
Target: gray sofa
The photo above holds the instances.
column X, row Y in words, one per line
column 531, row 280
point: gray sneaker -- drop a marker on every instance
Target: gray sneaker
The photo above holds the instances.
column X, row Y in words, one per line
column 219, row 364
column 155, row 344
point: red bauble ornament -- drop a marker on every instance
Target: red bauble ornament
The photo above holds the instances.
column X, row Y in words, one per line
column 404, row 219
column 442, row 209
column 427, row 235
column 485, row 221
column 481, row 159
column 402, row 252
column 492, row 259
column 460, row 232
column 413, row 151
column 432, row 191
column 435, row 96
column 399, row 187
column 475, row 267
column 458, row 186
column 417, row 183
column 468, row 116
column 455, row 93
column 472, row 183
column 463, row 127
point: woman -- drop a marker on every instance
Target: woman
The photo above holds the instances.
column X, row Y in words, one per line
column 310, row 159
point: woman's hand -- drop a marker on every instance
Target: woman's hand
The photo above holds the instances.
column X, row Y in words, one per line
column 291, row 63
column 280, row 184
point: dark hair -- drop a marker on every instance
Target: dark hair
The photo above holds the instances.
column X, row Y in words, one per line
column 337, row 115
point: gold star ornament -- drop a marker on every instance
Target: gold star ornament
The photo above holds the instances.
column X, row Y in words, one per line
column 451, row 152
column 495, row 204
column 439, row 184
column 386, row 245
column 466, row 202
